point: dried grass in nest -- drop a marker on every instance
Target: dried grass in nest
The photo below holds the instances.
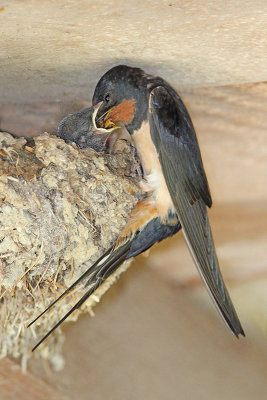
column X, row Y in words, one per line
column 60, row 209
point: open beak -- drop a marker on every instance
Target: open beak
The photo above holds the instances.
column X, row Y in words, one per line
column 102, row 122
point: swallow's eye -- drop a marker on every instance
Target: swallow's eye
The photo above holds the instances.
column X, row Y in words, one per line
column 107, row 98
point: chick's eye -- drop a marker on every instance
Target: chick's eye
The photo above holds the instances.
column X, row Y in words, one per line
column 107, row 97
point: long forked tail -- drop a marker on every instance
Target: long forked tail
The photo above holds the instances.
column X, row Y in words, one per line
column 96, row 274
column 154, row 231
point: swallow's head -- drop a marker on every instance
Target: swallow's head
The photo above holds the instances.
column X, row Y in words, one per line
column 122, row 97
column 80, row 128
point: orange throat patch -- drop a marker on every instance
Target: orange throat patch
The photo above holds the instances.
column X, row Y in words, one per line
column 124, row 112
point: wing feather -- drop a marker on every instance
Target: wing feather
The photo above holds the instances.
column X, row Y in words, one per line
column 174, row 138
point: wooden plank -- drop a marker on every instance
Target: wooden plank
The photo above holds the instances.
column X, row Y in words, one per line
column 240, row 237
column 150, row 341
column 58, row 50
column 24, row 386
column 231, row 123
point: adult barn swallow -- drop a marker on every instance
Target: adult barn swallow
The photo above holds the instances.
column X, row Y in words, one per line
column 177, row 191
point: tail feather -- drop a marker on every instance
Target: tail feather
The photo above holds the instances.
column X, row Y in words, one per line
column 99, row 271
column 80, row 279
column 154, row 231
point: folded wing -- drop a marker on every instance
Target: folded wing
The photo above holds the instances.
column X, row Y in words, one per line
column 174, row 137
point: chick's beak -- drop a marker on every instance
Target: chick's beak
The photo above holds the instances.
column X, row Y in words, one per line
column 101, row 120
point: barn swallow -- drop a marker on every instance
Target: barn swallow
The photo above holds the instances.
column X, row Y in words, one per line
column 177, row 191
column 79, row 128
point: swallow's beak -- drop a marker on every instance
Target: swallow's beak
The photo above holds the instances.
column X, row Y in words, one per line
column 101, row 120
column 95, row 117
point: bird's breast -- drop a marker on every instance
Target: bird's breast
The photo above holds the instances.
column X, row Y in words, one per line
column 154, row 179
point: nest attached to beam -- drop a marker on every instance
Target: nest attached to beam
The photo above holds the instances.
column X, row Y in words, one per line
column 60, row 208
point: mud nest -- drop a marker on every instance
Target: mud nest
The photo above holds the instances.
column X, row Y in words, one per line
column 60, row 208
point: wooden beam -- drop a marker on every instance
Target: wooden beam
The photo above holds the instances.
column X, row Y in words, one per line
column 24, row 386
column 58, row 50
column 150, row 341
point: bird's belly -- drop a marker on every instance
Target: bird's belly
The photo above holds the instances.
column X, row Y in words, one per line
column 154, row 179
